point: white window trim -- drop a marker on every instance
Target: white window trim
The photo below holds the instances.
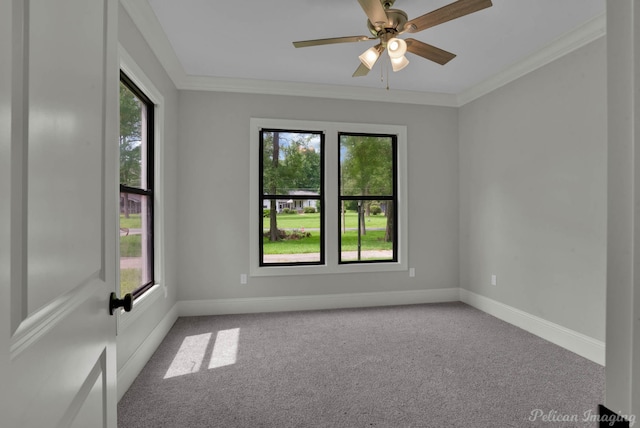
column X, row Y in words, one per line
column 331, row 130
column 135, row 73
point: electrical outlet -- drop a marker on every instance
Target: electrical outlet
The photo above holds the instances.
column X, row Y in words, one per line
column 412, row 272
column 243, row 278
column 494, row 279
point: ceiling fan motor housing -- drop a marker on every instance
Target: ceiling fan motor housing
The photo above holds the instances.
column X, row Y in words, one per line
column 395, row 24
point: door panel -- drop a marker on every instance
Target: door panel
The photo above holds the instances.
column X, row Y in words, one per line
column 58, row 350
column 65, row 69
column 88, row 408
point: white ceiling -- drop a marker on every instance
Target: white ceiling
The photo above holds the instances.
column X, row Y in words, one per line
column 250, row 39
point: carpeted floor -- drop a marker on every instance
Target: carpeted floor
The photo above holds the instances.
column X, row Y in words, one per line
column 432, row 365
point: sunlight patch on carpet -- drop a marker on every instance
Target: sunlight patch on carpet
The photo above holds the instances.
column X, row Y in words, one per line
column 190, row 356
column 193, row 351
column 225, row 350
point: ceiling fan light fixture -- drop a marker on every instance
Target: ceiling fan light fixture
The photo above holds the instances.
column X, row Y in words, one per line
column 396, row 47
column 385, row 23
column 398, row 64
column 370, row 56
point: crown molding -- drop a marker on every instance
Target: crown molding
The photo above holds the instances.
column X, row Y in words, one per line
column 563, row 45
column 145, row 19
column 221, row 84
column 148, row 25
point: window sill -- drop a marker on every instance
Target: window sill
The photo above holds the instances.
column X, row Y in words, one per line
column 329, row 269
column 140, row 306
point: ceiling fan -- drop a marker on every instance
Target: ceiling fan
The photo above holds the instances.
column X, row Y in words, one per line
column 385, row 24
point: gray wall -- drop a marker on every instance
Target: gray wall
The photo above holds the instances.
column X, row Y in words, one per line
column 533, row 192
column 131, row 39
column 213, row 231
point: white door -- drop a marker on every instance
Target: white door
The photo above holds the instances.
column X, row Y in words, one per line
column 58, row 146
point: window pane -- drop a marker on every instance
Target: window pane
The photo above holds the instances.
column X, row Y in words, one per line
column 369, row 236
column 367, row 186
column 366, row 165
column 290, row 163
column 291, row 181
column 132, row 135
column 135, row 242
column 296, row 235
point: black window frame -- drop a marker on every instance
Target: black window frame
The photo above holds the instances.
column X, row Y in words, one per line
column 262, row 198
column 393, row 198
column 147, row 191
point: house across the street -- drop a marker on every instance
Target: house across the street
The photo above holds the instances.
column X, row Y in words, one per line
column 295, row 203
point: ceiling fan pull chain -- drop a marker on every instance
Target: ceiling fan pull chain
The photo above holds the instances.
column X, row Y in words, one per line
column 387, row 75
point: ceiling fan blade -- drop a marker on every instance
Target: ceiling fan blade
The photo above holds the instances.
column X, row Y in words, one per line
column 362, row 70
column 375, row 12
column 429, row 52
column 318, row 42
column 446, row 13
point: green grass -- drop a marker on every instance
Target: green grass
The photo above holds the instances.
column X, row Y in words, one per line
column 130, row 279
column 131, row 246
column 373, row 240
column 295, row 221
column 312, row 221
column 133, row 222
column 300, row 246
column 373, row 221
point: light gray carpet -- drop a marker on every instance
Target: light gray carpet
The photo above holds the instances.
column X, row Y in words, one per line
column 432, row 365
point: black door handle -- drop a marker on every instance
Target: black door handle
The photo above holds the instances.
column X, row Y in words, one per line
column 126, row 302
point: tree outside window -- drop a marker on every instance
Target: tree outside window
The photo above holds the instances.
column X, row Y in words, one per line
column 368, row 191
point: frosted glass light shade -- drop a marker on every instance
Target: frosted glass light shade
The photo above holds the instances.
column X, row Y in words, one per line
column 369, row 57
column 398, row 64
column 396, row 48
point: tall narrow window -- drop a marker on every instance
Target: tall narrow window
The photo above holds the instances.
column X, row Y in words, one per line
column 291, row 182
column 136, row 189
column 368, row 201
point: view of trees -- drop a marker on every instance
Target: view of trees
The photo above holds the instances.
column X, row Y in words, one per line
column 291, row 174
column 366, row 169
column 291, row 162
column 130, row 136
column 294, row 162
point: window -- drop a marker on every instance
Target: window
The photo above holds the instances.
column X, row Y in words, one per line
column 292, row 183
column 368, row 170
column 136, row 189
column 327, row 201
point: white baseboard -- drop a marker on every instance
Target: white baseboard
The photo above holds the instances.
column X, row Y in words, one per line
column 303, row 303
column 134, row 365
column 579, row 343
